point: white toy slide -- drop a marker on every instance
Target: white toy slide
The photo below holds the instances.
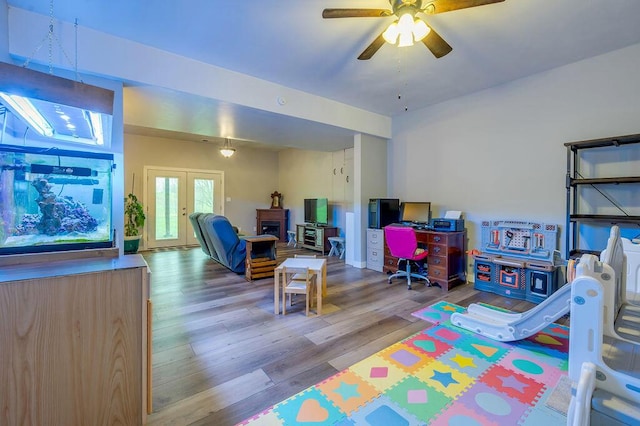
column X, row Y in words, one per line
column 507, row 327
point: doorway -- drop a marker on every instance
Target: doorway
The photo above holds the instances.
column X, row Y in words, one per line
column 172, row 195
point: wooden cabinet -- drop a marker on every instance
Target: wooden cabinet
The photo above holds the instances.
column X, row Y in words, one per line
column 75, row 342
column 273, row 222
column 602, row 183
column 446, row 260
column 261, row 256
column 315, row 237
column 375, row 249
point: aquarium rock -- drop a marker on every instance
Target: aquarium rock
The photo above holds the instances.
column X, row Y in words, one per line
column 59, row 215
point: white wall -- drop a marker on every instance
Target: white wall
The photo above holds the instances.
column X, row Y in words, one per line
column 370, row 175
column 251, row 175
column 303, row 174
column 499, row 153
column 4, row 32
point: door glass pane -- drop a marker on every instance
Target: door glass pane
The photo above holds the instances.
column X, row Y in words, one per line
column 203, row 192
column 166, row 208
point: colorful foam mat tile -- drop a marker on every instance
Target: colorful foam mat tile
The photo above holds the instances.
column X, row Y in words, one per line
column 534, row 367
column 379, row 373
column 450, row 381
column 541, row 414
column 310, row 406
column 438, row 312
column 405, row 357
column 471, row 365
column 513, row 384
column 347, row 391
column 428, row 345
column 384, row 412
column 481, row 404
column 418, row 398
column 543, row 341
column 265, row 418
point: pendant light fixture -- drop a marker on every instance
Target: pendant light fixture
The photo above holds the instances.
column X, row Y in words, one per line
column 226, row 150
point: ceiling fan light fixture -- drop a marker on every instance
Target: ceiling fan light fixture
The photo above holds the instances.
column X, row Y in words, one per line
column 226, row 150
column 405, row 23
column 391, row 33
column 406, row 31
column 405, row 39
column 420, row 30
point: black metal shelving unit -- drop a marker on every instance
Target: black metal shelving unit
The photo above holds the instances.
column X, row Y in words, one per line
column 574, row 181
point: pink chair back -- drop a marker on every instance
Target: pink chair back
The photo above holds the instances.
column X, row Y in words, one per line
column 401, row 240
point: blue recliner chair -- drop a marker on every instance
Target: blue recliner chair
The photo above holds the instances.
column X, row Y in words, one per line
column 220, row 241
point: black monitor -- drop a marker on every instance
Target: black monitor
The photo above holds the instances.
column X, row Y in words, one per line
column 415, row 212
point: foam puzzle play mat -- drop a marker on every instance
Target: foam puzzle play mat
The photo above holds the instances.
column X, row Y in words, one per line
column 443, row 375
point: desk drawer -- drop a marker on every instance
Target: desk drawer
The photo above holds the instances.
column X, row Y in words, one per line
column 391, row 262
column 438, row 273
column 437, row 261
column 438, row 238
column 437, row 250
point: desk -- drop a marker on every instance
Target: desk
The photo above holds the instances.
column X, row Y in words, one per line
column 446, row 259
column 319, row 266
column 261, row 256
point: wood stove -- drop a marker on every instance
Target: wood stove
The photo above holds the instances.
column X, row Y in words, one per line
column 273, row 222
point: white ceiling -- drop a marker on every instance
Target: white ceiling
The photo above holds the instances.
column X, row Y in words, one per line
column 287, row 42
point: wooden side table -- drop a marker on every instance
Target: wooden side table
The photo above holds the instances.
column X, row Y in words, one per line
column 261, row 256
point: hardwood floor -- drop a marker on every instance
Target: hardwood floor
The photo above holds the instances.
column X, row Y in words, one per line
column 220, row 354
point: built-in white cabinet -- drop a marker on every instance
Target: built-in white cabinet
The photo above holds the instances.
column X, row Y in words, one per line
column 342, row 177
column 375, row 249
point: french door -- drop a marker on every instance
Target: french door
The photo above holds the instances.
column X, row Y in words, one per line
column 172, row 195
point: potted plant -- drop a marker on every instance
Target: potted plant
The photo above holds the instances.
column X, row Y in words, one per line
column 133, row 223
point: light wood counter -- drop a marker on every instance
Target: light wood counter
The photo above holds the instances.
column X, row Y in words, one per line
column 75, row 342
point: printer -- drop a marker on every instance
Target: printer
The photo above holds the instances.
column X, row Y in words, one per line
column 444, row 224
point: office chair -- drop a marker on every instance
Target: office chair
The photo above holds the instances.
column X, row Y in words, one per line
column 403, row 244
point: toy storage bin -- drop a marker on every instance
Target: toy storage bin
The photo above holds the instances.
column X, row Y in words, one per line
column 484, row 273
column 511, row 280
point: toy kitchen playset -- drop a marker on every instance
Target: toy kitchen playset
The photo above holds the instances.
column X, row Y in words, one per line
column 519, row 260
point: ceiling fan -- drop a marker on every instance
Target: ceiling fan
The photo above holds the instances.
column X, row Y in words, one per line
column 408, row 28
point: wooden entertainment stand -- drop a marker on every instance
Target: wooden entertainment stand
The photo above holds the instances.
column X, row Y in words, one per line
column 315, row 237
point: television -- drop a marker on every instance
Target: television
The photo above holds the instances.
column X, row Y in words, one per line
column 316, row 211
column 383, row 211
column 415, row 212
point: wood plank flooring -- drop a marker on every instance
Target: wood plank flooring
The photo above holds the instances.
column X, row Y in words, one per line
column 220, row 354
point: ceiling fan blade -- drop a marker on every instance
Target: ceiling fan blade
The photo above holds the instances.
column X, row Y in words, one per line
column 356, row 13
column 441, row 6
column 436, row 44
column 372, row 48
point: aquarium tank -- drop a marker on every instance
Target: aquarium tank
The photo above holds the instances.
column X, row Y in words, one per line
column 54, row 200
